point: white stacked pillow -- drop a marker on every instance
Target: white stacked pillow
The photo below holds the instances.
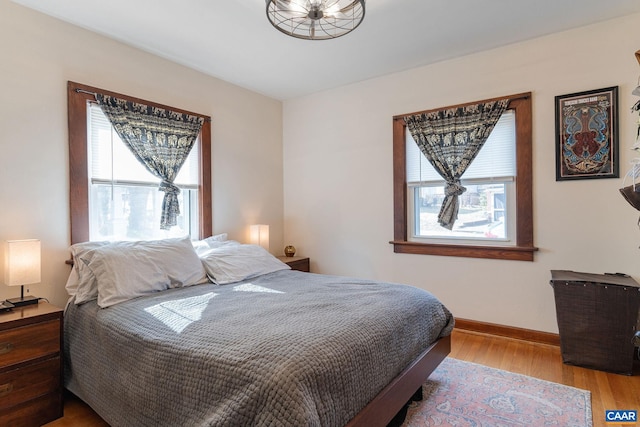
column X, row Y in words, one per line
column 113, row 272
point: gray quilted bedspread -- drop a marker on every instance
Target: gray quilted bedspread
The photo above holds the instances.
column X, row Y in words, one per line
column 284, row 349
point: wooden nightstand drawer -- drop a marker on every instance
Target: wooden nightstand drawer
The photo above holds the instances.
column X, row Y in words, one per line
column 29, row 382
column 31, row 365
column 29, row 342
column 296, row 262
column 34, row 413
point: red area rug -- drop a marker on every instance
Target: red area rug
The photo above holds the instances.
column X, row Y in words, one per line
column 467, row 394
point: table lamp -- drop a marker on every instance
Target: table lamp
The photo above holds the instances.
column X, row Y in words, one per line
column 22, row 267
column 260, row 235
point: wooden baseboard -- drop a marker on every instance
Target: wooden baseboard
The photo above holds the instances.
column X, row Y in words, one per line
column 508, row 331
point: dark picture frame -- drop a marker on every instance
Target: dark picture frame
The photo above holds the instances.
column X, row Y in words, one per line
column 587, row 135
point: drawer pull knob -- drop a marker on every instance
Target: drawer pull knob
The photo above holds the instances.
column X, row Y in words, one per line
column 5, row 347
column 5, row 389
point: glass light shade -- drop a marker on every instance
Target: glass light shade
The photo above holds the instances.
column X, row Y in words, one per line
column 22, row 262
column 315, row 19
column 260, row 235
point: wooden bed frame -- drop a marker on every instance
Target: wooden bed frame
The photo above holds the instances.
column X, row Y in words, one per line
column 381, row 410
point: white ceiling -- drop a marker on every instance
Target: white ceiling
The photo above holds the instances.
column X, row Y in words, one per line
column 233, row 40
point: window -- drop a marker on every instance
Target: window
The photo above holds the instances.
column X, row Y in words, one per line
column 495, row 217
column 124, row 201
column 114, row 197
column 487, row 208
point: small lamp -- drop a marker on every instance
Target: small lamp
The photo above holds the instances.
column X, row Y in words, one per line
column 260, row 235
column 22, row 267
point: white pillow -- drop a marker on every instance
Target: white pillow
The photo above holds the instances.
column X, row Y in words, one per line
column 201, row 246
column 233, row 263
column 82, row 283
column 72, row 282
column 217, row 238
column 126, row 270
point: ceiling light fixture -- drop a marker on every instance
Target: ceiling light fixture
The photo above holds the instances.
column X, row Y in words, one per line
column 315, row 19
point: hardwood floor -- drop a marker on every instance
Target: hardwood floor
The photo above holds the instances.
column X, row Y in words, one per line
column 608, row 391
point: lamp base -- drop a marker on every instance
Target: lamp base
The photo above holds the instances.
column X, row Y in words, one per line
column 22, row 301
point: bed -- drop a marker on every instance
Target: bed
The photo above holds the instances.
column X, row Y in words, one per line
column 275, row 348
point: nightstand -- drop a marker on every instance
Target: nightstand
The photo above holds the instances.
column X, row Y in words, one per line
column 31, row 365
column 296, row 262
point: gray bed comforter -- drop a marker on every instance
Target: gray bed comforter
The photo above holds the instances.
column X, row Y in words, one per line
column 284, row 349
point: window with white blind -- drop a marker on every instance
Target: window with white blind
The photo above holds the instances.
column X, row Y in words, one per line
column 495, row 219
column 487, row 209
column 124, row 200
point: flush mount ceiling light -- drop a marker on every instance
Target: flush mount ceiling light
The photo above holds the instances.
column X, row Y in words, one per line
column 315, row 19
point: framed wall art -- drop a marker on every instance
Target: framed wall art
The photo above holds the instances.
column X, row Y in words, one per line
column 587, row 135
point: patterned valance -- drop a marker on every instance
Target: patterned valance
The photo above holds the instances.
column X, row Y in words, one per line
column 160, row 139
column 450, row 139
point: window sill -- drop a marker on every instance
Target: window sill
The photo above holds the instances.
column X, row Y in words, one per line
column 515, row 253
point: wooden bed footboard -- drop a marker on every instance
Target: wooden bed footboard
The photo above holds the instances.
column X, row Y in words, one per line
column 381, row 410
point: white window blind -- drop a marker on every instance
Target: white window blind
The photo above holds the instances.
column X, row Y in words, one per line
column 497, row 158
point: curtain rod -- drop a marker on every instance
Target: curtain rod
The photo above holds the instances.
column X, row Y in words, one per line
column 514, row 97
column 86, row 91
column 95, row 95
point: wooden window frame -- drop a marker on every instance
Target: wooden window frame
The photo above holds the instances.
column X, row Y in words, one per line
column 77, row 97
column 524, row 249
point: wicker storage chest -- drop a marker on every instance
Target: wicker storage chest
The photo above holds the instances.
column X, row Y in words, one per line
column 598, row 316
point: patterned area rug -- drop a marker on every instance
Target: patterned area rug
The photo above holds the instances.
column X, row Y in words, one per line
column 466, row 394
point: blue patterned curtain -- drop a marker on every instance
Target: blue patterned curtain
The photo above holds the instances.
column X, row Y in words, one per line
column 160, row 139
column 450, row 139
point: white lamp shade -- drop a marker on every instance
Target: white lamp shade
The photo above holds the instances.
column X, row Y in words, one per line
column 22, row 262
column 260, row 235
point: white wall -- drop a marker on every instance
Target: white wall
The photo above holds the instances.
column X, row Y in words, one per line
column 39, row 55
column 338, row 178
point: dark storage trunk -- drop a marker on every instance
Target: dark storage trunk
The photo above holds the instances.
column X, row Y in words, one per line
column 598, row 316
